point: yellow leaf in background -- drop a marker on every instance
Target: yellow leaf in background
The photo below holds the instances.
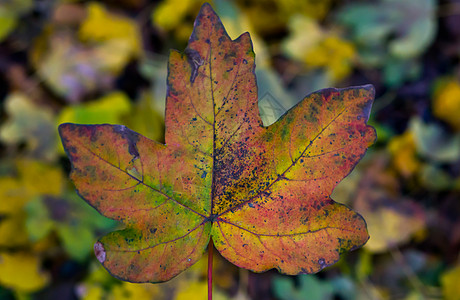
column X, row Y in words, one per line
column 319, row 48
column 72, row 70
column 21, row 271
column 34, row 178
column 311, row 8
column 13, row 196
column 389, row 227
column 113, row 55
column 446, row 103
column 297, row 42
column 198, row 290
column 13, row 232
column 108, row 109
column 334, row 54
column 450, row 284
column 10, row 12
column 170, row 13
column 194, row 290
column 145, row 119
column 39, row 178
column 392, row 219
column 93, row 292
column 268, row 16
column 8, row 22
column 102, row 26
column 403, row 150
column 30, row 123
column 135, row 291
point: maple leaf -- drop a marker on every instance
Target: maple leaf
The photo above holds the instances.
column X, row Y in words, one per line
column 262, row 194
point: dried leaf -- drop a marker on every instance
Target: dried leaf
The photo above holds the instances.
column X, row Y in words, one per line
column 261, row 193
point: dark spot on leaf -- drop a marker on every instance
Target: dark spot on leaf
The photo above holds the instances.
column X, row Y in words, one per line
column 195, row 61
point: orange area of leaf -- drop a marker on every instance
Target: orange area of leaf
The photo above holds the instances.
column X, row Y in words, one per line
column 261, row 193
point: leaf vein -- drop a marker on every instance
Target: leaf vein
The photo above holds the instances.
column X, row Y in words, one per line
column 142, row 182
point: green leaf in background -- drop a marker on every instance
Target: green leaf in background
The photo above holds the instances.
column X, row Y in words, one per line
column 410, row 25
column 30, row 123
column 107, row 109
column 434, row 178
column 10, row 12
column 75, row 222
column 320, row 48
column 116, row 108
column 310, row 287
column 435, row 143
column 391, row 34
column 33, row 178
column 8, row 22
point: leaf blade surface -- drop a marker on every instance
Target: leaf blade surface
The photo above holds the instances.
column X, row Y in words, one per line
column 261, row 193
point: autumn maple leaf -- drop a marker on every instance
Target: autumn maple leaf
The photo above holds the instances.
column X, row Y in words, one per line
column 262, row 194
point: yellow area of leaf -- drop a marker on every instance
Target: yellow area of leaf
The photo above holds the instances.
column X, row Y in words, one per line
column 21, row 271
column 320, row 48
column 449, row 283
column 403, row 150
column 446, row 103
column 103, row 26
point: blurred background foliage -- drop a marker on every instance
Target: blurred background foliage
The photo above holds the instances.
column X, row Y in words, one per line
column 105, row 62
